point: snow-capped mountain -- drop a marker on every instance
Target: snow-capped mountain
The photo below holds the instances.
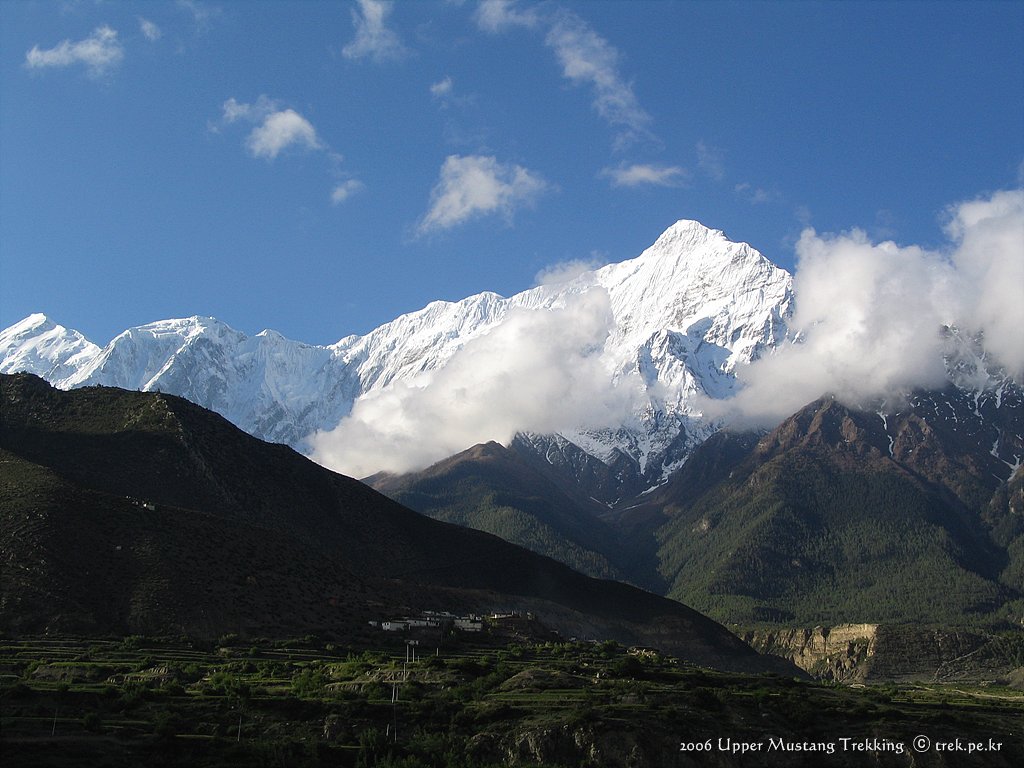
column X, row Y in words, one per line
column 686, row 313
column 38, row 345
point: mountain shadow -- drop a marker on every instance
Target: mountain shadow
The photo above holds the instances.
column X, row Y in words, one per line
column 500, row 490
column 125, row 512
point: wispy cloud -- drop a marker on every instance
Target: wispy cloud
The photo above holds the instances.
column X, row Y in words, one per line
column 345, row 190
column 99, row 53
column 462, row 124
column 234, row 110
column 589, row 59
column 373, row 39
column 476, row 185
column 443, row 88
column 149, row 30
column 640, row 174
column 498, row 15
column 752, row 194
column 275, row 130
column 885, row 225
column 710, row 161
column 586, row 58
column 201, row 13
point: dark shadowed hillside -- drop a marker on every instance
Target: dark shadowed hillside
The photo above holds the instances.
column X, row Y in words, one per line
column 126, row 512
column 499, row 490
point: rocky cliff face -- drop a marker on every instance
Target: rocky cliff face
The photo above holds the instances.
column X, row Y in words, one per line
column 837, row 653
column 582, row 744
column 850, row 653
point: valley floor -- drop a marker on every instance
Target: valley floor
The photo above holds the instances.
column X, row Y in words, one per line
column 133, row 701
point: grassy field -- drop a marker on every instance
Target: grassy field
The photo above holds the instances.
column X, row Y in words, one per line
column 137, row 701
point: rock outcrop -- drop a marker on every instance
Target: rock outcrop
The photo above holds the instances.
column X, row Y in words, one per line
column 854, row 653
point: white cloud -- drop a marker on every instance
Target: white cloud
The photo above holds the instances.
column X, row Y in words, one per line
column 709, row 160
column 753, row 194
column 586, row 58
column 498, row 15
column 885, row 225
column 373, row 39
column 345, row 190
column 539, row 370
column 638, row 174
column 149, row 30
column 276, row 129
column 443, row 88
column 476, row 185
column 446, row 96
column 99, row 52
column 236, row 110
column 589, row 59
column 870, row 316
column 201, row 13
column 989, row 255
column 280, row 130
column 564, row 271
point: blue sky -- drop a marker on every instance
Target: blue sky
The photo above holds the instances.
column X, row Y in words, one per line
column 321, row 167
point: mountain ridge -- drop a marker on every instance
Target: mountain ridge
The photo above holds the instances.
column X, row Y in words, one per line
column 687, row 312
column 841, row 515
column 882, row 514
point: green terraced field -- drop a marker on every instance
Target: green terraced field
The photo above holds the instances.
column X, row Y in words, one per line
column 77, row 702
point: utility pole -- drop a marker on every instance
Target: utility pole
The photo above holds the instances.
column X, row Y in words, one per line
column 394, row 709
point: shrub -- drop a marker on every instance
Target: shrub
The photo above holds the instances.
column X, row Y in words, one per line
column 166, row 725
column 627, row 666
column 308, row 683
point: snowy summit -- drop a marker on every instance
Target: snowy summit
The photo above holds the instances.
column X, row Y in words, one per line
column 611, row 359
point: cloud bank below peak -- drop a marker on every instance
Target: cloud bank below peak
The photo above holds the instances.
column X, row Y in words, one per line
column 989, row 258
column 869, row 317
column 538, row 370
